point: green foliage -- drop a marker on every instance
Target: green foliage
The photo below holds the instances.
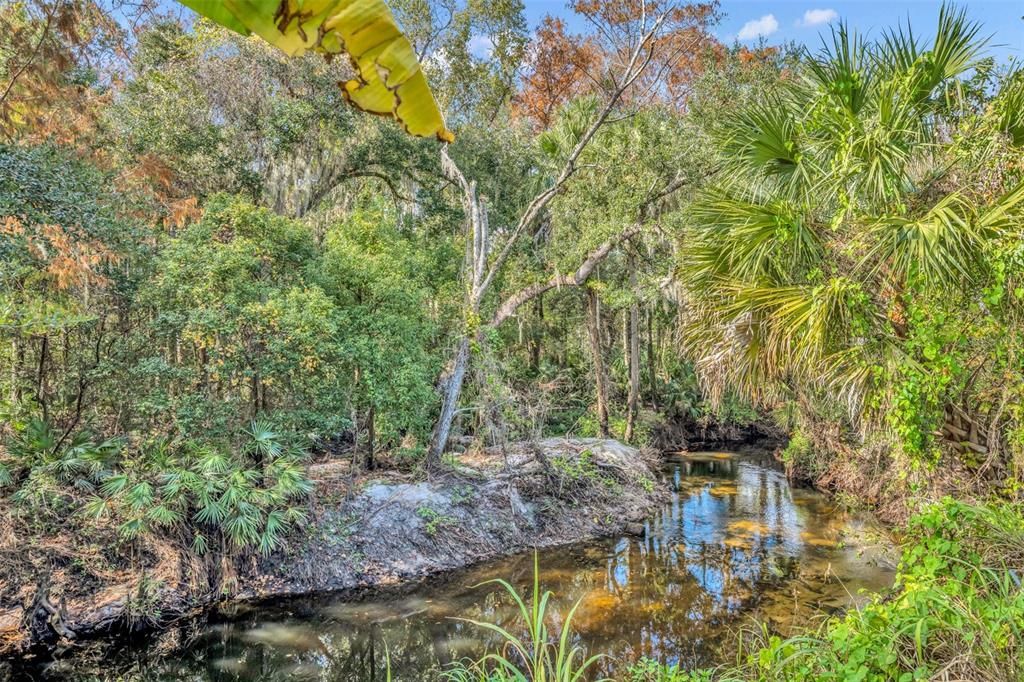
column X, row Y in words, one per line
column 800, row 453
column 957, row 609
column 47, row 470
column 850, row 255
column 579, row 471
column 216, row 496
column 195, row 490
column 434, row 521
column 649, row 670
column 541, row 655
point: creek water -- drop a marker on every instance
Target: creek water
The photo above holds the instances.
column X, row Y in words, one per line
column 733, row 547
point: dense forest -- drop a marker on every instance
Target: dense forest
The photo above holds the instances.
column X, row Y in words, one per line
column 218, row 275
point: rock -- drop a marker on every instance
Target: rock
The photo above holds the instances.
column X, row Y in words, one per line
column 637, row 529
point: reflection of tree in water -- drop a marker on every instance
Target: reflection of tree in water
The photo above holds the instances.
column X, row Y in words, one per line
column 731, row 534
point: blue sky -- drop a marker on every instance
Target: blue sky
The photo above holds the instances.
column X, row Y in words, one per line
column 779, row 21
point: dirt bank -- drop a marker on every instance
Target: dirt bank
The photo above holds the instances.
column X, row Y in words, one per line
column 363, row 532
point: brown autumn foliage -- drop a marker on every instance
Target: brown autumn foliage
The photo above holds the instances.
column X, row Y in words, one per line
column 50, row 50
column 69, row 257
column 562, row 66
column 559, row 68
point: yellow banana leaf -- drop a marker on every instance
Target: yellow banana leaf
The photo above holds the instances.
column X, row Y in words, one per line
column 390, row 79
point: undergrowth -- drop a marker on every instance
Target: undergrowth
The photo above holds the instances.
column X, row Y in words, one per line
column 222, row 496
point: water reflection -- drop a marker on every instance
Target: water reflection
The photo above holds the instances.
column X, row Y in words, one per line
column 734, row 542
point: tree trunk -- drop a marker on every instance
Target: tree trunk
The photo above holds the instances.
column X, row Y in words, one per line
column 597, row 353
column 256, row 393
column 44, row 350
column 449, row 403
column 652, row 379
column 633, row 401
column 371, row 437
column 537, row 336
column 17, row 361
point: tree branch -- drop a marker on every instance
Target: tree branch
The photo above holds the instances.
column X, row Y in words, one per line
column 638, row 62
column 652, row 204
column 574, row 279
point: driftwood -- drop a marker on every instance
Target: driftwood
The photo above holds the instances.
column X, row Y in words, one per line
column 44, row 621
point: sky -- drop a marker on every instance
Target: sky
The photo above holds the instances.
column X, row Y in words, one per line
column 804, row 21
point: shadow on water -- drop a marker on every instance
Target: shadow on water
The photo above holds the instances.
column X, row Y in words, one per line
column 733, row 544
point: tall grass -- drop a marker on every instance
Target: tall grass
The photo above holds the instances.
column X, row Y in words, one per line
column 537, row 657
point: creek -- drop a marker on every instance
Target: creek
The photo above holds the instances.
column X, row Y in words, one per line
column 734, row 546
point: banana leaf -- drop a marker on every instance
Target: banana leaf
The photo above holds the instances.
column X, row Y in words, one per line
column 390, row 81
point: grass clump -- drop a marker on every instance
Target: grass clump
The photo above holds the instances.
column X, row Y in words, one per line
column 542, row 655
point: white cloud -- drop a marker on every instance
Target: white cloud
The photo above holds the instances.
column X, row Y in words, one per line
column 817, row 17
column 759, row 28
column 481, row 46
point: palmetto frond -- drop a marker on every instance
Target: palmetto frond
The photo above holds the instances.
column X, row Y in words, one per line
column 763, row 139
column 945, row 245
column 957, row 47
column 917, row 73
column 800, row 325
column 265, row 442
column 572, row 123
column 749, row 240
column 843, row 71
column 1008, row 109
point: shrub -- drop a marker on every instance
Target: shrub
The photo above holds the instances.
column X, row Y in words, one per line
column 957, row 610
column 244, row 498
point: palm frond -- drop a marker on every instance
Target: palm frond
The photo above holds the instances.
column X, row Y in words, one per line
column 843, row 70
column 943, row 246
column 750, row 241
column 1008, row 108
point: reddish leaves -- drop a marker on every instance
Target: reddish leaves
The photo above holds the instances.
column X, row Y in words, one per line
column 558, row 69
column 562, row 66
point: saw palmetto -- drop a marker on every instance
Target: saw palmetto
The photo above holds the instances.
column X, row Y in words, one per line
column 389, row 80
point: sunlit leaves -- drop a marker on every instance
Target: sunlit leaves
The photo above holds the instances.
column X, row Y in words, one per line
column 390, row 80
column 1008, row 108
column 836, row 198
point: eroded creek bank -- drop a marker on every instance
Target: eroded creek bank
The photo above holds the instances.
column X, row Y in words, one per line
column 364, row 534
column 727, row 544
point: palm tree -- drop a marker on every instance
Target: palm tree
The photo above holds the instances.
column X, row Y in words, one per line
column 841, row 194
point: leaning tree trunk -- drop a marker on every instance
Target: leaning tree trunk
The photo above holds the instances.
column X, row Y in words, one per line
column 596, row 352
column 633, row 401
column 484, row 263
column 451, row 390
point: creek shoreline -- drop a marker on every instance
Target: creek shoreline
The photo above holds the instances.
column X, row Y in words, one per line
column 379, row 533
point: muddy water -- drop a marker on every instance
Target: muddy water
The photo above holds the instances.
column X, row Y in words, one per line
column 734, row 545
